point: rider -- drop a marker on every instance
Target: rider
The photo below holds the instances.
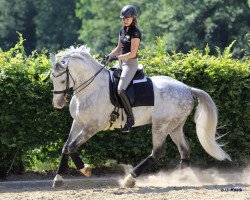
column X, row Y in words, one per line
column 128, row 44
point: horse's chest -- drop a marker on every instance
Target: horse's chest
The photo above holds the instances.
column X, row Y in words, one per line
column 77, row 108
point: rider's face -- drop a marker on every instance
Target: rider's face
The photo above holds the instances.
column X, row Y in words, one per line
column 127, row 21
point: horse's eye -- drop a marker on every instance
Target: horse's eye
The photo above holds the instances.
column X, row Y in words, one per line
column 63, row 81
column 63, row 62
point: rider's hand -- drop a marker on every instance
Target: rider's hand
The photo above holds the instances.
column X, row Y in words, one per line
column 105, row 59
column 112, row 58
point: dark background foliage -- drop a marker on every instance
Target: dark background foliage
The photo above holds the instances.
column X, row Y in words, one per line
column 182, row 24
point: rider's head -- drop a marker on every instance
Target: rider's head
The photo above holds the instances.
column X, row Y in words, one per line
column 128, row 14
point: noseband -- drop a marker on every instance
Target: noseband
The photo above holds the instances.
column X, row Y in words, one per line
column 69, row 90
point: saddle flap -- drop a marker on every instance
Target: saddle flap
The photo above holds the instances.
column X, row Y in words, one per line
column 140, row 94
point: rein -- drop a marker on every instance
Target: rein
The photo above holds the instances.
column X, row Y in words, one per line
column 68, row 90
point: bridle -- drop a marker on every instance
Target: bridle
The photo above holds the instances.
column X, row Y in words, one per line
column 68, row 74
column 70, row 90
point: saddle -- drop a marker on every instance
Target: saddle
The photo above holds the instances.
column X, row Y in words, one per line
column 140, row 91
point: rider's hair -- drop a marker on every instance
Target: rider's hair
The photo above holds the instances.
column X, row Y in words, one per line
column 134, row 22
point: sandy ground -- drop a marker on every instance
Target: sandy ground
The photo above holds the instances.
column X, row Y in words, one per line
column 178, row 184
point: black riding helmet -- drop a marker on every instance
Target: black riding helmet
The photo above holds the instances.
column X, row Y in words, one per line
column 128, row 11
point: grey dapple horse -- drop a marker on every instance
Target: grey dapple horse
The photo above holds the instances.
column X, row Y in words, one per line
column 90, row 108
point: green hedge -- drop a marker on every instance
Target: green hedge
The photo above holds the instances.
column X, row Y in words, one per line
column 32, row 130
column 27, row 119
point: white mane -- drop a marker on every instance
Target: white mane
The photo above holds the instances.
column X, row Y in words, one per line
column 74, row 52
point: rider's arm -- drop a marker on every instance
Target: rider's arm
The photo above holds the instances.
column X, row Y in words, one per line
column 118, row 48
column 135, row 42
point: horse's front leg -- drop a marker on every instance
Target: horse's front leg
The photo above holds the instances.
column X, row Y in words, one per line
column 84, row 135
column 72, row 147
column 63, row 165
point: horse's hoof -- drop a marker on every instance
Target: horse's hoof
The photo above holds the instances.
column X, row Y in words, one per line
column 129, row 182
column 57, row 183
column 86, row 171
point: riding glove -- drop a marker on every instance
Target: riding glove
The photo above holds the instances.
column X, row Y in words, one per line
column 112, row 58
column 105, row 59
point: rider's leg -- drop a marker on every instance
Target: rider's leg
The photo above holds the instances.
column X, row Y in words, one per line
column 128, row 110
column 129, row 69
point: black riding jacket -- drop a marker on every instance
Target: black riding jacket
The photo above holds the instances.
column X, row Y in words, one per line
column 126, row 36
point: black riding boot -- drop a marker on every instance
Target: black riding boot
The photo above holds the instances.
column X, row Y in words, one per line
column 128, row 110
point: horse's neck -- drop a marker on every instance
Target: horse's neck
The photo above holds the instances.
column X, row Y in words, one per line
column 99, row 83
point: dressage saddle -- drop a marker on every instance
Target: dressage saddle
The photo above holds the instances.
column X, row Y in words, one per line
column 139, row 92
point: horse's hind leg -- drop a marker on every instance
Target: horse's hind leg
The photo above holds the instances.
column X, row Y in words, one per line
column 182, row 144
column 159, row 134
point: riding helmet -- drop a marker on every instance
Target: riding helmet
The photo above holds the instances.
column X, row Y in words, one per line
column 128, row 11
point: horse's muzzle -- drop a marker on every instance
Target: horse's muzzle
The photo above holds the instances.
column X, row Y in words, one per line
column 57, row 106
column 59, row 102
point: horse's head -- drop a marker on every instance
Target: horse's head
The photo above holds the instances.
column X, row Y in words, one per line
column 73, row 68
column 62, row 80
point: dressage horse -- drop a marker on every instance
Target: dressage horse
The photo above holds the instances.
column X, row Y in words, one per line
column 90, row 108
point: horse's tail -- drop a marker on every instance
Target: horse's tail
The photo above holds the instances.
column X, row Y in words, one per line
column 206, row 117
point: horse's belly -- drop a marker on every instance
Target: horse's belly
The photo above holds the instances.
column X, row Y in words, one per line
column 143, row 115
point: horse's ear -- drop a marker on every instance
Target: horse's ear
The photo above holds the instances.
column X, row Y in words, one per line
column 53, row 59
